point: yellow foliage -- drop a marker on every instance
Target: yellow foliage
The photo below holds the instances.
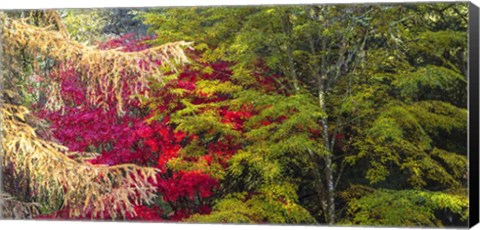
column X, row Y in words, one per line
column 101, row 69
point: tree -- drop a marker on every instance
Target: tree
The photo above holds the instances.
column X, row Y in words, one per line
column 354, row 60
column 45, row 172
column 282, row 114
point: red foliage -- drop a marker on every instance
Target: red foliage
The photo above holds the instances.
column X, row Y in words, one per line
column 129, row 138
column 186, row 184
column 82, row 126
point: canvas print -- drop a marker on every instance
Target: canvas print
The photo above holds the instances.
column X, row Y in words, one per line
column 339, row 114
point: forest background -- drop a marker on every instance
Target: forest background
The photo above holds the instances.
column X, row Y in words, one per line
column 307, row 114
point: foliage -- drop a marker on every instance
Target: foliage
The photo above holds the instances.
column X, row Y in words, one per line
column 282, row 114
column 373, row 93
column 84, row 25
column 52, row 177
column 92, row 61
column 125, row 139
column 405, row 208
column 410, row 145
column 43, row 168
column 99, row 25
column 256, row 208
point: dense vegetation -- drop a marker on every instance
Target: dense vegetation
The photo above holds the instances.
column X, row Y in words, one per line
column 338, row 114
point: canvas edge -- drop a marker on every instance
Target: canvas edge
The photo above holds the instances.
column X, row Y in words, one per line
column 473, row 111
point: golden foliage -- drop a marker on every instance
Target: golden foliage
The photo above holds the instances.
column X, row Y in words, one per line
column 57, row 178
column 101, row 70
column 59, row 181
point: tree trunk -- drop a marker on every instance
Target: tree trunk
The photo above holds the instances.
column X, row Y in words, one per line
column 327, row 158
column 328, row 198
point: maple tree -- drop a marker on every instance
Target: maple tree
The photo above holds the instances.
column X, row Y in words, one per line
column 131, row 138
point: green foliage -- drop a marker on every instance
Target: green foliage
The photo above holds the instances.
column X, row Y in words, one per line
column 406, row 208
column 257, row 208
column 432, row 83
column 198, row 123
column 374, row 94
column 85, row 25
column 410, row 114
column 98, row 25
column 401, row 137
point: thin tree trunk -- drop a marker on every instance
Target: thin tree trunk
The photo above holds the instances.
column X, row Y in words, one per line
column 318, row 183
column 324, row 181
column 329, row 194
column 328, row 171
column 287, row 29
